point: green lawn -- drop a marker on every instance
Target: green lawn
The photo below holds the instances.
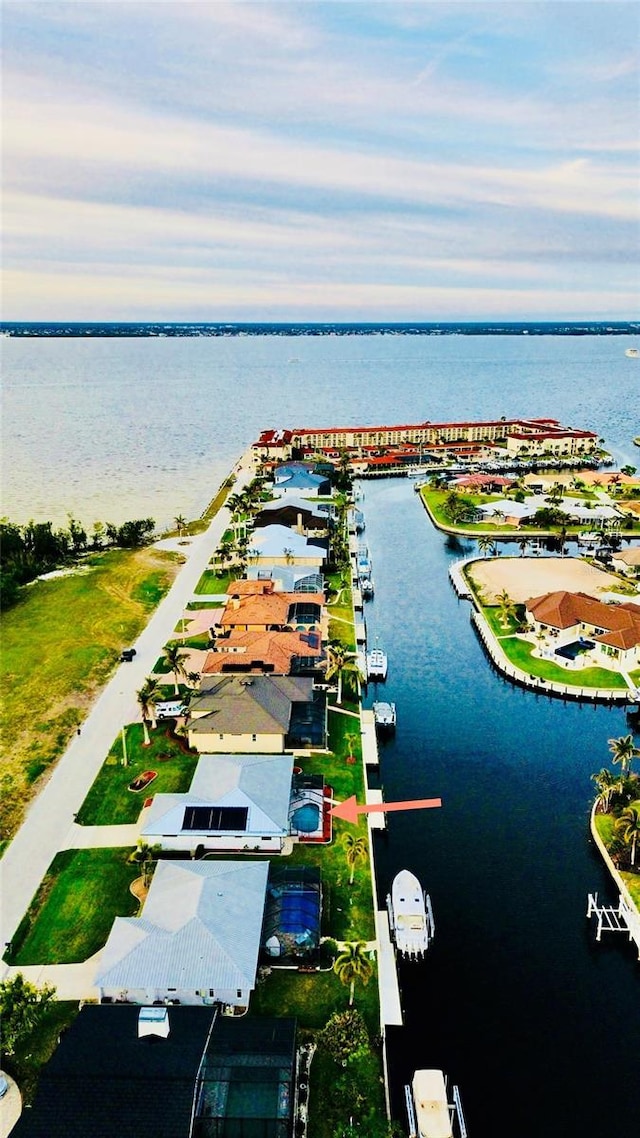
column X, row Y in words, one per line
column 499, row 629
column 60, row 643
column 71, row 915
column 312, row 997
column 198, row 606
column 109, row 802
column 604, row 826
column 210, row 582
column 519, row 652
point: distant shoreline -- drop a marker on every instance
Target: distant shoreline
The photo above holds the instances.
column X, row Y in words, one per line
column 11, row 329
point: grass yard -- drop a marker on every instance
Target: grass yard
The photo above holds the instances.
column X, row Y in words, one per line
column 210, row 582
column 71, row 915
column 312, row 997
column 61, row 642
column 493, row 617
column 109, row 802
column 604, row 826
column 519, row 652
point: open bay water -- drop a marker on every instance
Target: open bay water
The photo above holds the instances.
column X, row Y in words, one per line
column 111, row 429
column 538, row 1025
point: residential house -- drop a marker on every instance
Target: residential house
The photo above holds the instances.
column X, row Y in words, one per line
column 275, row 653
column 257, row 607
column 573, row 622
column 256, row 715
column 157, row 1072
column 301, row 477
column 235, row 802
column 287, row 578
column 196, row 941
column 301, row 515
column 627, row 560
column 279, row 545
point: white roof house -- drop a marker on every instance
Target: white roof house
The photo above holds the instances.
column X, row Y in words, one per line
column 279, row 544
column 197, row 940
column 235, row 802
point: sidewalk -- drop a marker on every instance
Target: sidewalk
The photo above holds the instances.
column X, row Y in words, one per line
column 50, row 818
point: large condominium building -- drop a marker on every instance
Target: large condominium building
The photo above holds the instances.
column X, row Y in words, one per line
column 518, row 436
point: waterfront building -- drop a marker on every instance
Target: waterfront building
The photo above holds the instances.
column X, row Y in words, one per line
column 518, row 437
column 196, row 941
column 256, row 715
column 576, row 622
column 234, row 803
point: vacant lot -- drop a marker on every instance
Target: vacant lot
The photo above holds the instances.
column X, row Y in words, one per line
column 60, row 644
column 525, row 577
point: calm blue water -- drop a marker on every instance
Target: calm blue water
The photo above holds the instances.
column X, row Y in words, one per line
column 111, row 429
column 538, row 1026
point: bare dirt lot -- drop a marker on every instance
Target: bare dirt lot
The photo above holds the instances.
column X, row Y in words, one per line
column 525, row 577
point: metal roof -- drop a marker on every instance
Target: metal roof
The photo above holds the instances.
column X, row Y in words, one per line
column 199, row 928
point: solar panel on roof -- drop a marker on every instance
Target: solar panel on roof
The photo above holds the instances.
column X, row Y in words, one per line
column 215, row 818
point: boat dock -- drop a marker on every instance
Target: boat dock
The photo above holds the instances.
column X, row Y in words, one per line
column 369, row 738
column 619, row 919
column 390, row 1006
column 457, row 578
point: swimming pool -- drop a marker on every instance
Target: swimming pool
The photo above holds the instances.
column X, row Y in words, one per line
column 570, row 651
column 306, row 818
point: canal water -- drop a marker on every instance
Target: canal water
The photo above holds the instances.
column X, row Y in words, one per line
column 537, row 1024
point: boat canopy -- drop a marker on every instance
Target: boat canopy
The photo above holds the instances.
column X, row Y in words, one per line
column 430, row 1101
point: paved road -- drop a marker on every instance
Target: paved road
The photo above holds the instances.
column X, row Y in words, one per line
column 49, row 824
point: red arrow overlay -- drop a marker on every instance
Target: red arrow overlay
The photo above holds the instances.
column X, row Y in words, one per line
column 349, row 809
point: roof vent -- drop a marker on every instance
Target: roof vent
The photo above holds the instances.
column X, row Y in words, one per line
column 153, row 1021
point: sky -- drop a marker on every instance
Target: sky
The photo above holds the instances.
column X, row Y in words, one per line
column 320, row 161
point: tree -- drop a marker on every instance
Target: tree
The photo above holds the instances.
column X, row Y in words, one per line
column 145, row 698
column 180, row 522
column 486, row 544
column 523, row 543
column 143, row 856
column 623, row 751
column 175, row 658
column 352, row 964
column 628, row 827
column 506, row 608
column 344, row 1035
column 22, row 1008
column 628, row 470
column 340, row 662
column 357, row 850
column 606, row 783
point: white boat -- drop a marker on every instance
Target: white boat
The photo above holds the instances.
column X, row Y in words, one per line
column 410, row 915
column 429, row 1112
column 367, row 588
column 377, row 664
column 633, row 353
column 385, row 715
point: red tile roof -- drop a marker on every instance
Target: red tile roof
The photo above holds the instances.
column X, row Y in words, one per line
column 563, row 610
column 253, row 650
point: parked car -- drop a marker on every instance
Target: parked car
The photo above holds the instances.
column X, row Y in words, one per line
column 127, row 654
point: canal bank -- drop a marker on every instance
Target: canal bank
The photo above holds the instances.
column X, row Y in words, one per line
column 515, row 1000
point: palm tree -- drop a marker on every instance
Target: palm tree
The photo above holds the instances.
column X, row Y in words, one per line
column 145, row 698
column 357, row 850
column 143, row 856
column 351, row 739
column 175, row 658
column 606, row 783
column 523, row 542
column 352, row 964
column 506, row 608
column 628, row 827
column 624, row 751
column 340, row 661
column 486, row 544
column 288, row 555
column 180, row 524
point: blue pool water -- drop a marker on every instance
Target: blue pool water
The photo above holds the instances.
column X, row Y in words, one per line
column 306, row 818
column 570, row 651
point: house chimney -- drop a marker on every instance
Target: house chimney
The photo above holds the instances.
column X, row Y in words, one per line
column 153, row 1021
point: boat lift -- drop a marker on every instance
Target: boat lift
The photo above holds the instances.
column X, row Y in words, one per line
column 623, row 919
column 455, row 1113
